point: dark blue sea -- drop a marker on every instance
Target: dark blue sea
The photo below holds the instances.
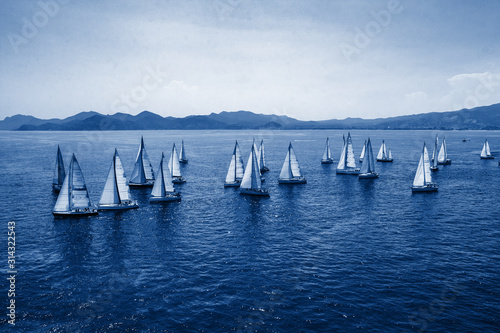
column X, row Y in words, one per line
column 335, row 255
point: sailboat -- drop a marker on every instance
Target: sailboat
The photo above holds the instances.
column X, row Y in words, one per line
column 251, row 184
column 327, row 154
column 163, row 189
column 434, row 160
column 290, row 172
column 443, row 154
column 257, row 154
column 116, row 193
column 486, row 152
column 423, row 179
column 362, row 155
column 367, row 170
column 262, row 158
column 174, row 167
column 235, row 171
column 383, row 154
column 143, row 174
column 73, row 199
column 59, row 172
column 183, row 158
column 347, row 162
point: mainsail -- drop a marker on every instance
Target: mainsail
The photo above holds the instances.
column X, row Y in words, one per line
column 368, row 165
column 363, row 152
column 290, row 167
column 443, row 153
column 59, row 173
column 235, row 171
column 434, row 155
column 262, row 158
column 251, row 178
column 327, row 154
column 382, row 153
column 143, row 170
column 347, row 159
column 163, row 184
column 423, row 175
column 182, row 154
column 73, row 193
column 116, row 190
column 173, row 163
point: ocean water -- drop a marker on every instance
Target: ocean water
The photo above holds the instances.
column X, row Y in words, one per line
column 334, row 255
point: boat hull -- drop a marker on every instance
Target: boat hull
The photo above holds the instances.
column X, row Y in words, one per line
column 168, row 198
column 292, row 181
column 368, row 175
column 434, row 168
column 385, row 160
column 149, row 183
column 183, row 161
column 178, row 180
column 425, row 188
column 264, row 169
column 76, row 213
column 329, row 161
column 347, row 172
column 249, row 191
column 235, row 184
column 131, row 205
column 487, row 157
column 56, row 188
column 447, row 162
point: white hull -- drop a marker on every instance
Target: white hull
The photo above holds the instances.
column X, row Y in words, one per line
column 147, row 184
column 347, row 172
column 122, row 206
column 235, row 184
column 292, row 181
column 77, row 212
column 447, row 162
column 178, row 180
column 370, row 175
column 170, row 197
column 425, row 188
column 329, row 161
column 249, row 191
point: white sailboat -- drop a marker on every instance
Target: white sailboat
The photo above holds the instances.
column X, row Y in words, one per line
column 262, row 158
column 443, row 154
column 362, row 155
column 423, row 179
column 383, row 154
column 290, row 172
column 174, row 167
column 163, row 189
column 143, row 174
column 367, row 170
column 347, row 161
column 73, row 199
column 235, row 171
column 182, row 155
column 327, row 154
column 116, row 193
column 434, row 160
column 251, row 183
column 59, row 172
column 486, row 152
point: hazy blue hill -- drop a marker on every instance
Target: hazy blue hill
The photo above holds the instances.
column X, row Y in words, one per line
column 480, row 118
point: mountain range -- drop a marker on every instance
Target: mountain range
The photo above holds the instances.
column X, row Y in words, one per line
column 479, row 118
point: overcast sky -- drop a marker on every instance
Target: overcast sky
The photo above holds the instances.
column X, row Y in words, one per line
column 307, row 59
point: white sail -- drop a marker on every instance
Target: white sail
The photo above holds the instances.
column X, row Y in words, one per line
column 262, row 157
column 163, row 183
column 427, row 167
column 350, row 159
column 389, row 154
column 442, row 152
column 173, row 163
column 327, row 154
column 368, row 165
column 419, row 179
column 286, row 170
column 121, row 179
column 182, row 152
column 257, row 154
column 294, row 164
column 434, row 154
column 363, row 152
column 231, row 172
column 342, row 160
column 74, row 193
column 486, row 152
column 59, row 173
column 382, row 153
column 143, row 170
column 116, row 189
column 239, row 162
column 251, row 178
